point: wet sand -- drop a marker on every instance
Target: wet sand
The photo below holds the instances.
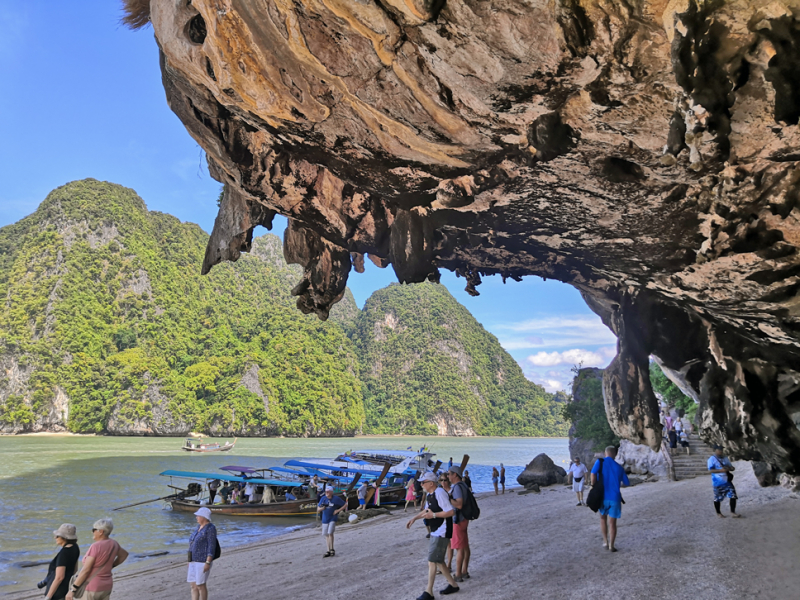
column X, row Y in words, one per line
column 671, row 545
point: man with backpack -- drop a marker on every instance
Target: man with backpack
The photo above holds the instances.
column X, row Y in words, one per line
column 611, row 475
column 460, row 499
column 437, row 513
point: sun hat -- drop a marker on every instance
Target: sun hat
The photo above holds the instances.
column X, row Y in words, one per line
column 204, row 512
column 328, row 488
column 67, row 531
column 428, row 476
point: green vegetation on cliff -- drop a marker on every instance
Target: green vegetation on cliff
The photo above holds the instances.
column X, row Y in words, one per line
column 107, row 326
column 429, row 367
column 587, row 411
column 104, row 304
column 670, row 392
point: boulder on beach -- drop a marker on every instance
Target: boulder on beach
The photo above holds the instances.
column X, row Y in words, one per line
column 766, row 474
column 641, row 460
column 542, row 471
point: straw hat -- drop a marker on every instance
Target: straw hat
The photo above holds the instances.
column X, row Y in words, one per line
column 67, row 531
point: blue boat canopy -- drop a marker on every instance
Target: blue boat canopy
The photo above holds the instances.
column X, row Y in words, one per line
column 309, row 465
column 193, row 475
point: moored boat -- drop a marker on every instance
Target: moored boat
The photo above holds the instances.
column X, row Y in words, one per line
column 197, row 445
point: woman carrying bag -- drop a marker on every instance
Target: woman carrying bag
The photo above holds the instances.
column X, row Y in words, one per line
column 95, row 582
column 202, row 552
column 62, row 567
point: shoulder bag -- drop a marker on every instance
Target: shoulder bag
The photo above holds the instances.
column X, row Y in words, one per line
column 595, row 498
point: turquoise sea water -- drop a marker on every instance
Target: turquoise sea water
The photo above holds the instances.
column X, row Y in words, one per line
column 49, row 480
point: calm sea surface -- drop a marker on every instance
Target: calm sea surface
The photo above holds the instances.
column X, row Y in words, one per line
column 48, row 480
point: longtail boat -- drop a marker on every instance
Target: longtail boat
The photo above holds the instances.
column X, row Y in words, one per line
column 272, row 499
column 197, row 445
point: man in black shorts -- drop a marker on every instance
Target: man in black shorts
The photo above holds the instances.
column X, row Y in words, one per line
column 438, row 513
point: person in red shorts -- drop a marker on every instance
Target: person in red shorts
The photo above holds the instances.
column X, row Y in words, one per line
column 460, row 541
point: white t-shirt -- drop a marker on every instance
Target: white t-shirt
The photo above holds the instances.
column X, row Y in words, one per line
column 444, row 503
column 678, row 426
column 577, row 470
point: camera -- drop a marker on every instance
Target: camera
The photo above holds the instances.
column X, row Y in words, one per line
column 42, row 583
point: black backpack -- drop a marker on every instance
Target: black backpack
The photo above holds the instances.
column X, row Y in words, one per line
column 470, row 509
column 595, row 498
column 217, row 551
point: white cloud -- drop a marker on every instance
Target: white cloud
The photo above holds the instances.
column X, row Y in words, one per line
column 586, row 358
column 552, row 385
column 555, row 332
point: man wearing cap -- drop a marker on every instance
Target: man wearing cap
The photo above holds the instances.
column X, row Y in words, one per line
column 202, row 548
column 460, row 541
column 720, row 468
column 330, row 506
column 437, row 512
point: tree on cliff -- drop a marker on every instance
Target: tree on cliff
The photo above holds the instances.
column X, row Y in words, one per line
column 587, row 412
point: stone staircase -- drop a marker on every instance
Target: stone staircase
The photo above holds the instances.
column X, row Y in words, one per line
column 694, row 464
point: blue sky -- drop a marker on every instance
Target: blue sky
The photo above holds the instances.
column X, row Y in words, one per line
column 82, row 97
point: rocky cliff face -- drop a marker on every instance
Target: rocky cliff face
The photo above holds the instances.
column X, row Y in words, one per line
column 644, row 152
column 429, row 367
column 106, row 326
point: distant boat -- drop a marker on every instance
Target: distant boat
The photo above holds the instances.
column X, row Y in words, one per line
column 195, row 445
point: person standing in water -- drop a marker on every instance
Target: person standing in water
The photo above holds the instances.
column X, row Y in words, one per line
column 503, row 477
column 577, row 471
column 495, row 479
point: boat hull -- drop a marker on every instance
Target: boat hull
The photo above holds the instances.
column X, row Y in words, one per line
column 224, row 448
column 292, row 508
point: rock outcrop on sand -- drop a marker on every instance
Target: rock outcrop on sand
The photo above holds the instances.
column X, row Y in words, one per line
column 542, row 471
column 645, row 153
column 642, row 460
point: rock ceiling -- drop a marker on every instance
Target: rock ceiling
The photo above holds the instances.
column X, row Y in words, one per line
column 644, row 151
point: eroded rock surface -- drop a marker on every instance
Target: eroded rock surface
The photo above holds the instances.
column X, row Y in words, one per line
column 644, row 152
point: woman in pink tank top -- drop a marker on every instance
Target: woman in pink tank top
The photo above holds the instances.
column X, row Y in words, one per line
column 103, row 555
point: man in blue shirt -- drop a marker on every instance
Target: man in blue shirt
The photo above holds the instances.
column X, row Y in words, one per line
column 720, row 466
column 613, row 476
column 330, row 506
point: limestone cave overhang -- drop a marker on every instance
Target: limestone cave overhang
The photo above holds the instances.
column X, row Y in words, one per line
column 646, row 152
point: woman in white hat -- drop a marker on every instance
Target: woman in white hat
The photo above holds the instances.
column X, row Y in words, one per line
column 62, row 567
column 202, row 549
column 103, row 555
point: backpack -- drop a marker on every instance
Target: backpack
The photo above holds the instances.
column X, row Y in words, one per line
column 217, row 551
column 595, row 498
column 470, row 509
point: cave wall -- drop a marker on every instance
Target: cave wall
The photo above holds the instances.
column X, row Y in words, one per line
column 643, row 151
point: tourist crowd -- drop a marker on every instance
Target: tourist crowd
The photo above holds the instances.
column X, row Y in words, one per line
column 444, row 501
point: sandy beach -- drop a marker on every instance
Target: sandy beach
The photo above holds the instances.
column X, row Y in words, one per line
column 671, row 545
